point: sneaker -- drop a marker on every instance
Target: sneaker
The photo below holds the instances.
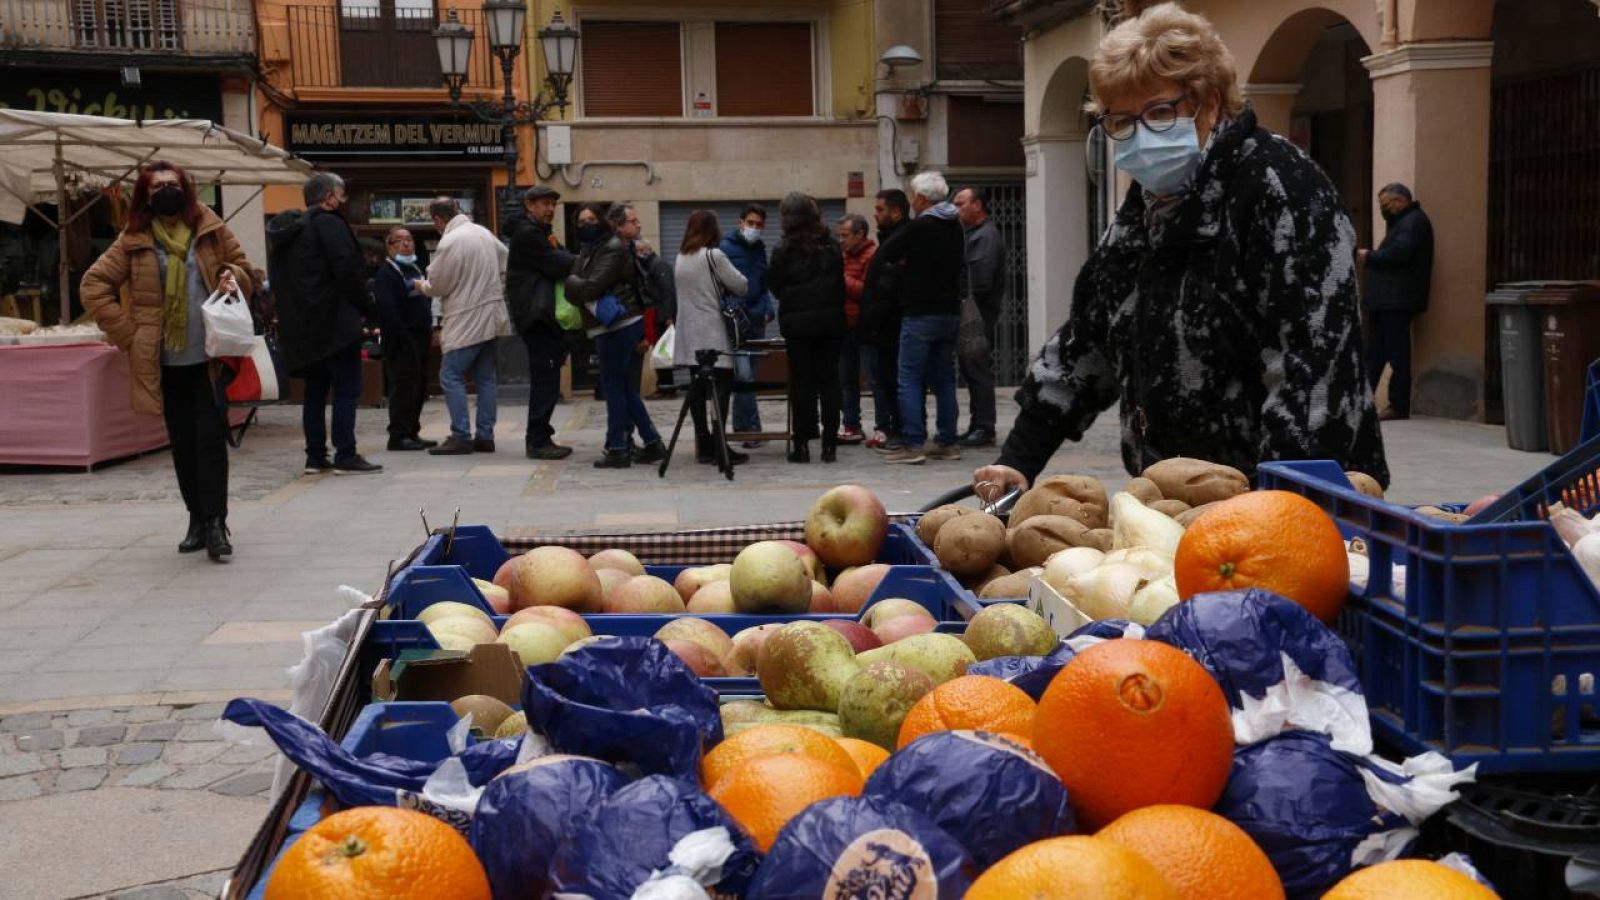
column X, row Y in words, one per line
column 483, row 445
column 549, row 451
column 891, row 445
column 318, row 466
column 452, row 446
column 356, row 465
column 909, row 456
column 848, row 435
column 877, row 440
column 944, row 451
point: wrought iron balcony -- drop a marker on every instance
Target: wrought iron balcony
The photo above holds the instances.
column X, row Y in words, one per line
column 204, row 28
column 380, row 46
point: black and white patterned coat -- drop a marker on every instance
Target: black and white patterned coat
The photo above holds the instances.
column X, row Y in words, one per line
column 1228, row 325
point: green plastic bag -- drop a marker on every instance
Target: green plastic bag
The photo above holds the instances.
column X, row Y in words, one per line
column 567, row 315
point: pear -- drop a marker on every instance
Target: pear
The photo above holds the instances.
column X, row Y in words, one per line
column 939, row 656
column 804, row 665
column 876, row 700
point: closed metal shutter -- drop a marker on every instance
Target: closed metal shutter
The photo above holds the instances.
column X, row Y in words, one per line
column 970, row 42
column 675, row 218
column 631, row 69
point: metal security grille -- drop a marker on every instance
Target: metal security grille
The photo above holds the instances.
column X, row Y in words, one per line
column 1013, row 346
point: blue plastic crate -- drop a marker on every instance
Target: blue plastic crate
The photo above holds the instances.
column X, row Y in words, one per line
column 1591, row 405
column 1491, row 653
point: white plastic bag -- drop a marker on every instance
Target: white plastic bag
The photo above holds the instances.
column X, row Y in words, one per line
column 229, row 328
column 661, row 354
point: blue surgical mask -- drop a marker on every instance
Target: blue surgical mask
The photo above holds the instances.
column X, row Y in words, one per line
column 1161, row 162
column 409, row 259
column 751, row 235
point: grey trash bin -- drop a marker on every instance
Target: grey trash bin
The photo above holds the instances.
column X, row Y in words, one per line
column 1521, row 364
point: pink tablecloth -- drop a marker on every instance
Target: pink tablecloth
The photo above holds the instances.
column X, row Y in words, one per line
column 70, row 405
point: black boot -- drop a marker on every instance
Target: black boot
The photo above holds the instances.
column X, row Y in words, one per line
column 614, row 459
column 801, row 452
column 195, row 539
column 830, row 450
column 653, row 452
column 217, row 545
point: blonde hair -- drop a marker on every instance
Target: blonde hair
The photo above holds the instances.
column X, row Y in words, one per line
column 1165, row 43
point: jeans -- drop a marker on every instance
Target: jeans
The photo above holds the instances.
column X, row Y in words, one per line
column 1391, row 344
column 453, row 369
column 928, row 359
column 882, row 365
column 850, row 381
column 619, row 381
column 340, row 374
column 405, row 367
column 546, row 352
column 746, row 414
column 814, row 379
column 977, row 367
column 198, row 430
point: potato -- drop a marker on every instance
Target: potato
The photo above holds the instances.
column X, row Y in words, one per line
column 928, row 526
column 1098, row 538
column 1195, row 481
column 1187, row 517
column 969, row 544
column 1365, row 483
column 977, row 582
column 1434, row 512
column 1014, row 585
column 1173, row 508
column 1032, row 542
column 1077, row 497
column 1144, row 489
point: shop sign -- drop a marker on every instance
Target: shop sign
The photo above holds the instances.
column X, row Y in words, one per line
column 90, row 93
column 381, row 136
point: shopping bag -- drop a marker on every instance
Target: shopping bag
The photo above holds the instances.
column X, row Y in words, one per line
column 609, row 310
column 255, row 379
column 661, row 353
column 567, row 315
column 230, row 331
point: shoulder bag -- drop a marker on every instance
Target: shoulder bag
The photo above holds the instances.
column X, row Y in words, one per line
column 735, row 320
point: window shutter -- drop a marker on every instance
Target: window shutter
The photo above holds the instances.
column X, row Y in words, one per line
column 971, row 43
column 631, row 69
column 985, row 134
column 764, row 69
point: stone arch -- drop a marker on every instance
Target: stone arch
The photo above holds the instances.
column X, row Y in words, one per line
column 1254, row 33
column 1284, row 52
column 1060, row 112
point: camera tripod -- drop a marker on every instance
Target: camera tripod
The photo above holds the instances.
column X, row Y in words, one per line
column 703, row 387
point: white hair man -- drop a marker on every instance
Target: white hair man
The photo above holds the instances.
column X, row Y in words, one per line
column 930, row 255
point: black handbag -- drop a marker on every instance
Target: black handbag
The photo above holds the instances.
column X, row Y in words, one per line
column 735, row 319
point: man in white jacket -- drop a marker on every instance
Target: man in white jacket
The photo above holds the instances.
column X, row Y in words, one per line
column 467, row 274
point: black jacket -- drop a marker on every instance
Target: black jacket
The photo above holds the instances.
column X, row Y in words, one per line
column 934, row 253
column 536, row 262
column 607, row 267
column 400, row 306
column 809, row 286
column 1227, row 325
column 319, row 284
column 1400, row 270
column 879, row 322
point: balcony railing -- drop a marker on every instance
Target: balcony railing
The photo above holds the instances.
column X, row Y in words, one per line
column 378, row 47
column 184, row 27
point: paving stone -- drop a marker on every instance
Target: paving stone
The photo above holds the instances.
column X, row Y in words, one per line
column 101, row 735
column 244, row 785
column 32, row 741
column 141, row 714
column 80, row 779
column 138, row 754
column 25, row 722
column 208, row 885
column 78, row 718
column 145, row 776
column 158, row 731
column 154, row 892
column 193, row 754
column 8, row 743
column 21, row 764
column 198, row 777
column 200, row 712
column 245, row 754
column 196, row 732
column 22, row 787
column 79, row 757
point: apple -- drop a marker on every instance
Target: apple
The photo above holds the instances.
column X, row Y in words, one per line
column 701, row 661
column 901, row 627
column 581, row 643
column 890, row 608
column 853, row 588
column 747, row 645
column 821, row 598
column 691, row 580
column 643, row 594
column 535, row 642
column 860, row 636
column 701, row 632
column 502, row 575
column 617, row 559
column 461, row 632
column 566, row 621
column 808, row 556
column 716, row 597
column 610, row 580
column 449, row 609
column 846, row 526
column 555, row 576
column 499, row 598
column 768, row 577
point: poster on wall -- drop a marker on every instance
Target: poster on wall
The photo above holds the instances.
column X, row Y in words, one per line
column 164, row 95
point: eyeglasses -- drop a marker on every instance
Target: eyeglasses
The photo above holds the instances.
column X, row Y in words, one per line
column 1157, row 116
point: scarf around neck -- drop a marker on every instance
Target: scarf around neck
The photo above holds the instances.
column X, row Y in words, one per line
column 175, row 240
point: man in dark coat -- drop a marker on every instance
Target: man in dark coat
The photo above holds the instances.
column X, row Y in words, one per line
column 986, row 277
column 878, row 328
column 406, row 316
column 1398, row 275
column 536, row 264
column 319, row 284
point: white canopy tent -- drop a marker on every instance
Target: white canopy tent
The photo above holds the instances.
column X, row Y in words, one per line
column 47, row 157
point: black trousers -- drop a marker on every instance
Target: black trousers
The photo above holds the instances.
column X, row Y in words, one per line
column 547, row 350
column 1391, row 345
column 405, row 368
column 699, row 401
column 814, row 379
column 197, row 426
column 977, row 367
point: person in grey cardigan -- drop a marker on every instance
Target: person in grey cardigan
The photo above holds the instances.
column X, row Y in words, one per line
column 986, row 280
column 704, row 273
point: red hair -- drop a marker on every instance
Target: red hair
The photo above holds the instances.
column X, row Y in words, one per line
column 139, row 211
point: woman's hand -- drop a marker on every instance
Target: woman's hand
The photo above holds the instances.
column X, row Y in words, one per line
column 990, row 483
column 226, row 283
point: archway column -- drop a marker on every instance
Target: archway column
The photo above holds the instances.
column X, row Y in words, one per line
column 1057, row 190
column 1431, row 123
column 1273, row 103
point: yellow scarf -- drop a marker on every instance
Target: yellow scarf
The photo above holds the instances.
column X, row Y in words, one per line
column 175, row 283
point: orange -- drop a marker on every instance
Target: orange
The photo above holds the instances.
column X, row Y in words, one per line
column 765, row 793
column 381, row 853
column 868, row 756
column 766, row 740
column 1083, row 868
column 1267, row 539
column 975, row 702
column 1413, row 879
column 1131, row 723
column 1202, row 854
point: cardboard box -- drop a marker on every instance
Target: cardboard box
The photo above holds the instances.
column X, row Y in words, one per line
column 1064, row 618
column 491, row 669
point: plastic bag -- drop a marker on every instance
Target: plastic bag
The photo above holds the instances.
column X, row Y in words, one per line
column 992, row 794
column 567, row 315
column 525, row 810
column 863, row 847
column 1280, row 668
column 230, row 331
column 657, row 829
column 1319, row 813
column 661, row 354
column 624, row 700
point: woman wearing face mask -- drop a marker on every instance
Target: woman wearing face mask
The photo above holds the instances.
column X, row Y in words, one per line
column 171, row 255
column 405, row 315
column 1220, row 307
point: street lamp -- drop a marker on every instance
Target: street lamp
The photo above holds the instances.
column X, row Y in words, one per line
column 506, row 20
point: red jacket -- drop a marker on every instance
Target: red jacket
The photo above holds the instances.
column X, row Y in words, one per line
column 855, row 278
